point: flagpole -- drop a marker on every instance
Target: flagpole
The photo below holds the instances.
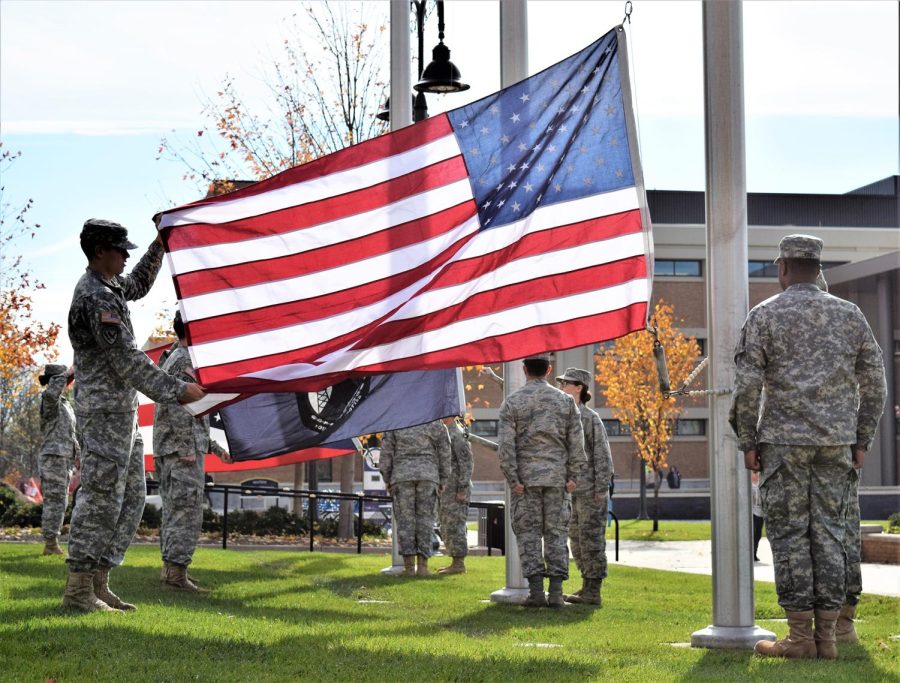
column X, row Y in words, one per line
column 513, row 68
column 727, row 302
column 401, row 116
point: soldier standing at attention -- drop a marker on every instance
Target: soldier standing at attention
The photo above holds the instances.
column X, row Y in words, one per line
column 542, row 458
column 180, row 442
column 823, row 376
column 589, row 501
column 455, row 498
column 110, row 369
column 58, row 452
column 415, row 465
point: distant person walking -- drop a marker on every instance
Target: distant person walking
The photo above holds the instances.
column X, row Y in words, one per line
column 822, row 372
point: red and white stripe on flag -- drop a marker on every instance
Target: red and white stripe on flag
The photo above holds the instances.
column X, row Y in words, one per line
column 212, row 462
column 379, row 258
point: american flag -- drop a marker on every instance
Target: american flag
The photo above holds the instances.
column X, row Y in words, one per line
column 515, row 224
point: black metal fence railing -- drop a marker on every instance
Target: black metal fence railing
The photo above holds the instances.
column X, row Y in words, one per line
column 495, row 531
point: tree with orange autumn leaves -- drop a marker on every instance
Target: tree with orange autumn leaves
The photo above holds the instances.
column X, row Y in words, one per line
column 627, row 373
column 24, row 342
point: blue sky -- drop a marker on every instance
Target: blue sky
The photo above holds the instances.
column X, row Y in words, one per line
column 87, row 89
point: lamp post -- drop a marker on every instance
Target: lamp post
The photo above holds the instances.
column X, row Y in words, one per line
column 440, row 76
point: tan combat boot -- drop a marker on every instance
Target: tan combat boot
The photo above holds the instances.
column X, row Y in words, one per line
column 102, row 591
column 409, row 565
column 177, row 579
column 576, row 594
column 826, row 621
column 458, row 566
column 79, row 594
column 51, row 547
column 590, row 594
column 798, row 644
column 423, row 567
column 536, row 596
column 845, row 632
column 554, row 593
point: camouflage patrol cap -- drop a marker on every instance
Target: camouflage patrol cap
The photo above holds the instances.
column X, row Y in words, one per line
column 539, row 356
column 101, row 232
column 53, row 369
column 800, row 246
column 583, row 377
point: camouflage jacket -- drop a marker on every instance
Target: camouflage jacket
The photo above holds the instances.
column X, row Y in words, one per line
column 541, row 439
column 175, row 430
column 599, row 468
column 461, row 463
column 808, row 373
column 108, row 364
column 420, row 453
column 57, row 420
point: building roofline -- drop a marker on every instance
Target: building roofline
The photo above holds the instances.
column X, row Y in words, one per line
column 858, row 270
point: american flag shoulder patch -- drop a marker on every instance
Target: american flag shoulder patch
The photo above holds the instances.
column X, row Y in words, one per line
column 110, row 318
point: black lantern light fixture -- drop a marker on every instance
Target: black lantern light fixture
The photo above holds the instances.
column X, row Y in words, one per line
column 442, row 75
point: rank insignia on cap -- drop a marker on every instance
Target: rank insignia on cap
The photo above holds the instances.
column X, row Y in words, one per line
column 110, row 318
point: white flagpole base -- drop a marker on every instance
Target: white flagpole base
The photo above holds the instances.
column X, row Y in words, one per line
column 730, row 637
column 510, row 596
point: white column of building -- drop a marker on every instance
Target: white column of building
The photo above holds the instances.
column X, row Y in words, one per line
column 401, row 116
column 513, row 68
column 727, row 301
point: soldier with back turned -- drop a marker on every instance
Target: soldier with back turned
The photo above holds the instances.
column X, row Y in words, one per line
column 809, row 391
column 542, row 457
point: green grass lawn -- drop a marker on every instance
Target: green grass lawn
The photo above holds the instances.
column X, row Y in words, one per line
column 642, row 530
column 283, row 616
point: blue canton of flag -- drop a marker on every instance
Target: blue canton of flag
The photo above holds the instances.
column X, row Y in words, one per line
column 557, row 136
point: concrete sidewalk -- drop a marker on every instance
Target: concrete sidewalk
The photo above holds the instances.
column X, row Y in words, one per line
column 695, row 557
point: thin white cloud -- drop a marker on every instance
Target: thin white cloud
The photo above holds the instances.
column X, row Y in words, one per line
column 94, row 127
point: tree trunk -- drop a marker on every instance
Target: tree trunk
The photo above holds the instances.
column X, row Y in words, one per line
column 297, row 506
column 348, row 471
column 656, row 486
column 642, row 510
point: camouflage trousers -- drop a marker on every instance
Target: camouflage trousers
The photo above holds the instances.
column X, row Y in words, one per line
column 414, row 508
column 181, row 487
column 852, row 543
column 805, row 494
column 587, row 535
column 542, row 514
column 56, row 472
column 110, row 501
column 453, row 517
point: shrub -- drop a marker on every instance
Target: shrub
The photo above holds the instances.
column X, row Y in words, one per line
column 212, row 523
column 22, row 514
column 894, row 523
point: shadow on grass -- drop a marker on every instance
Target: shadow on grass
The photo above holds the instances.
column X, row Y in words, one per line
column 103, row 651
column 853, row 663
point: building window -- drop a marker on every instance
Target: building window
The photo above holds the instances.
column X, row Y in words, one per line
column 616, row 428
column 484, row 427
column 701, row 344
column 690, row 427
column 678, row 267
column 762, row 269
column 769, row 269
column 324, row 471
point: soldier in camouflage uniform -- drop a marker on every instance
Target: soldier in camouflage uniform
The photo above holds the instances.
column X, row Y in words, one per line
column 455, row 498
column 58, row 452
column 180, row 444
column 110, row 368
column 814, row 358
column 587, row 529
column 845, row 632
column 542, row 458
column 415, row 465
